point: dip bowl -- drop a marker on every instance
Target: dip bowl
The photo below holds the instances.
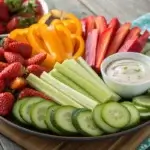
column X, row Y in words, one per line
column 125, row 89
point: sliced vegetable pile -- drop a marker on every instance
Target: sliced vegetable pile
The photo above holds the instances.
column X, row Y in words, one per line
column 48, row 77
column 104, row 39
column 19, row 14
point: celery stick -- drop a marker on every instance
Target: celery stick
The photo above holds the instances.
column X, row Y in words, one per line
column 94, row 75
column 57, row 75
column 50, row 91
column 76, row 96
column 75, row 67
column 99, row 95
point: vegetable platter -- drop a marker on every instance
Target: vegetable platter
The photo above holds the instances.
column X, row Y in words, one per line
column 75, row 79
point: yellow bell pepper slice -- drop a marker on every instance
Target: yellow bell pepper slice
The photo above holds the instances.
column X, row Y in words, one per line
column 38, row 47
column 44, row 18
column 53, row 42
column 70, row 25
column 79, row 46
column 65, row 36
column 33, row 38
column 19, row 35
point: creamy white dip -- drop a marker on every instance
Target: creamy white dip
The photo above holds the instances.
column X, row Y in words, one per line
column 128, row 71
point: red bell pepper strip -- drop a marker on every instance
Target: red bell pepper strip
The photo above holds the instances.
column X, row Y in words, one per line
column 100, row 23
column 135, row 44
column 114, row 22
column 90, row 49
column 90, row 23
column 118, row 39
column 84, row 26
column 128, row 45
column 103, row 42
column 135, row 31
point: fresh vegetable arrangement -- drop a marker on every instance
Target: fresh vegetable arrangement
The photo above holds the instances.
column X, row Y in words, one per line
column 19, row 14
column 50, row 78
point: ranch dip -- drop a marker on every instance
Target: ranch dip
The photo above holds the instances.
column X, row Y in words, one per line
column 128, row 71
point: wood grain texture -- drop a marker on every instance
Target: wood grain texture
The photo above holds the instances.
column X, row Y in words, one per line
column 125, row 10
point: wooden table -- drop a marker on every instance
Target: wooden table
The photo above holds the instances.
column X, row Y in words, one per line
column 125, row 10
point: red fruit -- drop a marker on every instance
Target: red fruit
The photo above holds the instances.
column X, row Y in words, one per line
column 30, row 7
column 36, row 59
column 101, row 23
column 28, row 92
column 7, row 41
column 89, row 24
column 103, row 43
column 2, row 85
column 18, row 83
column 3, row 65
column 4, row 12
column 36, row 69
column 13, row 57
column 12, row 71
column 6, row 103
column 2, row 28
column 1, row 53
column 118, row 39
column 135, row 31
column 115, row 24
column 91, row 43
column 20, row 22
column 13, row 5
column 24, row 49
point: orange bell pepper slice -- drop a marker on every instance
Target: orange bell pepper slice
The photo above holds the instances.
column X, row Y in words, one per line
column 19, row 35
column 79, row 46
column 65, row 36
column 53, row 42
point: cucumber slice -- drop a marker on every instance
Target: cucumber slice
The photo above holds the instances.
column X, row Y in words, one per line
column 61, row 118
column 141, row 109
column 145, row 115
column 83, row 121
column 135, row 114
column 16, row 110
column 143, row 100
column 48, row 120
column 26, row 107
column 100, row 122
column 115, row 115
column 38, row 114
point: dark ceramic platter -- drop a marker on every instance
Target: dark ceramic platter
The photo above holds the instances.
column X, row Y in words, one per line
column 28, row 129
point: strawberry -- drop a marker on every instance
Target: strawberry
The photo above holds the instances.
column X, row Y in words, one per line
column 13, row 57
column 3, row 65
column 28, row 92
column 36, row 69
column 2, row 85
column 36, row 59
column 7, row 41
column 31, row 7
column 2, row 28
column 20, row 22
column 4, row 15
column 18, row 83
column 24, row 49
column 1, row 53
column 13, row 5
column 6, row 103
column 12, row 71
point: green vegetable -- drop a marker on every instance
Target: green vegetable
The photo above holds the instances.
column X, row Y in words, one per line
column 76, row 96
column 99, row 94
column 51, row 91
column 68, row 82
